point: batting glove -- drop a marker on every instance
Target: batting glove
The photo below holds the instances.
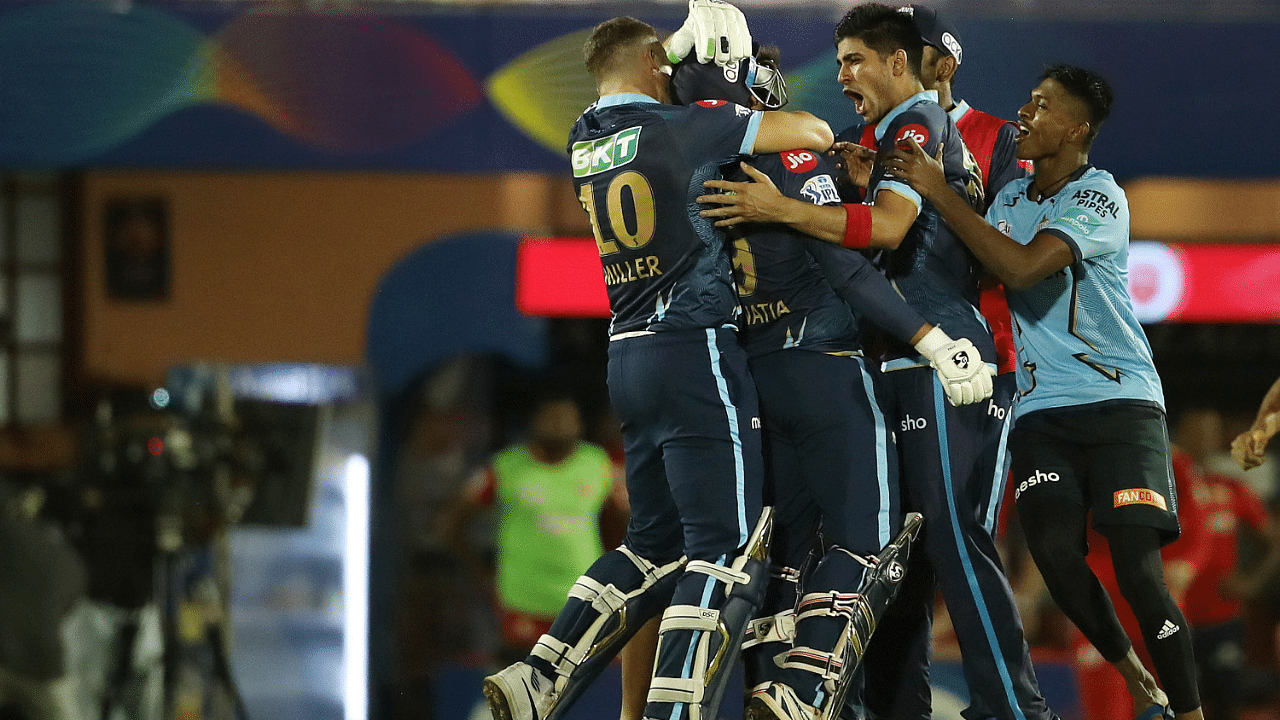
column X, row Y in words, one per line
column 715, row 30
column 965, row 377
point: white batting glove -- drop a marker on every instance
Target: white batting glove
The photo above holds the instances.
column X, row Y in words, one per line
column 965, row 377
column 715, row 30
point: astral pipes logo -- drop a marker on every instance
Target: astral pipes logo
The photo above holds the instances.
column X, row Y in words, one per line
column 1157, row 280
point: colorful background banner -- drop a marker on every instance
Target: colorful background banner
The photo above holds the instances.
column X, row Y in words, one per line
column 172, row 85
column 1185, row 283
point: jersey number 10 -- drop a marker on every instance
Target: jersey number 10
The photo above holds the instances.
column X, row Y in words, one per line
column 615, row 228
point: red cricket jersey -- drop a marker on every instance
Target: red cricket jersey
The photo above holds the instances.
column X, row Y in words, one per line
column 1225, row 504
column 981, row 133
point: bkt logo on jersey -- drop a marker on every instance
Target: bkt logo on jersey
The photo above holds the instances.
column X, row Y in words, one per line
column 820, row 190
column 593, row 156
column 1039, row 478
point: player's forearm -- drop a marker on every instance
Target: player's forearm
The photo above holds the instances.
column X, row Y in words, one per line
column 1270, row 404
column 861, row 286
column 824, row 222
column 1009, row 261
column 855, row 225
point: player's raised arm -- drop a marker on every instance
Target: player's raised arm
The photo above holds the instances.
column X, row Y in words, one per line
column 965, row 377
column 1018, row 266
column 780, row 131
column 857, row 225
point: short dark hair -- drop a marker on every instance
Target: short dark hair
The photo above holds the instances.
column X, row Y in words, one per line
column 1089, row 88
column 610, row 36
column 769, row 55
column 885, row 30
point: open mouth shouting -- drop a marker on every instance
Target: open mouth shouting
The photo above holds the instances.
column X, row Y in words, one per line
column 859, row 102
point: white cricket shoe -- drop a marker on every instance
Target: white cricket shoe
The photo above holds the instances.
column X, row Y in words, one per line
column 519, row 693
column 776, row 701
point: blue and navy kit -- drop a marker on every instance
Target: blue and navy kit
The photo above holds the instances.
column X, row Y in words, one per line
column 797, row 292
column 678, row 380
column 1079, row 341
column 631, row 155
column 952, row 461
column 932, row 268
column 830, row 455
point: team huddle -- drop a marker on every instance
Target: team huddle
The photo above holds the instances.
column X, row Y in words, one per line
column 827, row 352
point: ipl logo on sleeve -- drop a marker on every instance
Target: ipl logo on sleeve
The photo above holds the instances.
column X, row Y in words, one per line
column 821, row 190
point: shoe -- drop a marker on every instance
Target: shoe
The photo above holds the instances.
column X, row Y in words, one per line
column 519, row 693
column 775, row 701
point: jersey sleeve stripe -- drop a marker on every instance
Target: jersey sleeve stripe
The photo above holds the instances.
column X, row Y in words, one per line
column 1066, row 238
column 902, row 189
column 753, row 128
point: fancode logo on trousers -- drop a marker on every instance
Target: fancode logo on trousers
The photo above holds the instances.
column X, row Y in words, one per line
column 1140, row 496
column 593, row 156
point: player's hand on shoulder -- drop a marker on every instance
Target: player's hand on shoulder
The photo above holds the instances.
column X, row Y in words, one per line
column 738, row 202
column 910, row 163
column 715, row 30
column 965, row 376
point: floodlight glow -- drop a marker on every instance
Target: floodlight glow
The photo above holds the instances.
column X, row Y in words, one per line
column 355, row 591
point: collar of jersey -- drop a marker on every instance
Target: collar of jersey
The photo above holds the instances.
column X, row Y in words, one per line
column 623, row 99
column 960, row 110
column 1079, row 173
column 931, row 95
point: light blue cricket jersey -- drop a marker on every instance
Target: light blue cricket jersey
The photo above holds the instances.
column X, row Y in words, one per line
column 1078, row 339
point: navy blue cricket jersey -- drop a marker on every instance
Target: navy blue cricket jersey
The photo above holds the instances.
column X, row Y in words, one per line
column 638, row 166
column 798, row 292
column 932, row 268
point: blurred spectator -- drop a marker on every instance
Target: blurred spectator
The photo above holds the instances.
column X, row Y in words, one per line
column 1231, row 514
column 42, row 579
column 550, row 493
column 607, row 433
column 1262, row 613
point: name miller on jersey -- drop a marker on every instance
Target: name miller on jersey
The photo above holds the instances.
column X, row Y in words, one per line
column 634, row 269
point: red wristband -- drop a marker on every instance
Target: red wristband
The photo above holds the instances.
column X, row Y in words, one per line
column 857, row 226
